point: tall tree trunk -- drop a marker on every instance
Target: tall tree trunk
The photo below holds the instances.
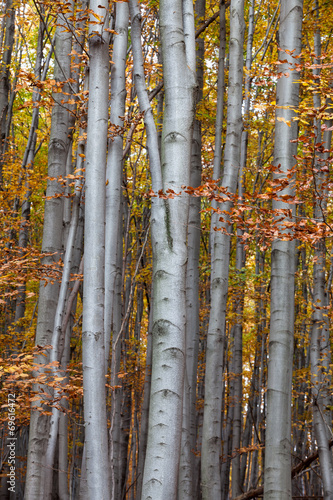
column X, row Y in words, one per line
column 145, row 409
column 240, row 286
column 211, row 447
column 113, row 235
column 186, row 487
column 53, row 244
column 115, row 166
column 93, row 349
column 319, row 347
column 169, row 231
column 218, row 158
column 277, row 483
column 58, row 331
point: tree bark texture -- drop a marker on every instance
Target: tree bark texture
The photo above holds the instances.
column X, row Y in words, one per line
column 278, row 427
column 169, row 233
column 211, row 446
column 93, row 349
column 53, row 244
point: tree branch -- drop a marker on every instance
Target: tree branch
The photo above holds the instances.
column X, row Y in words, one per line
column 295, row 471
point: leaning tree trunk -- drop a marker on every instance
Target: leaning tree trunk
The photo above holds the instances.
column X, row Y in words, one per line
column 277, row 484
column 211, row 446
column 52, row 244
column 93, row 353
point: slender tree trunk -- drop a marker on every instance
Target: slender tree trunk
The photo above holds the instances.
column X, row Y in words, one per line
column 72, row 209
column 58, row 331
column 319, row 347
column 52, row 243
column 93, row 349
column 113, row 236
column 227, row 437
column 145, row 409
column 169, row 230
column 211, row 447
column 240, row 265
column 186, row 487
column 115, row 166
column 217, row 161
column 278, row 426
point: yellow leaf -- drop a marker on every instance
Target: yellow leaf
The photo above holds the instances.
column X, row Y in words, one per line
column 280, row 119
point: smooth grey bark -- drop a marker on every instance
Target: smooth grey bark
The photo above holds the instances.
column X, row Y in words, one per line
column 93, row 349
column 301, row 361
column 259, row 368
column 237, row 370
column 277, row 484
column 115, row 165
column 240, row 265
column 73, row 216
column 113, row 234
column 55, row 342
column 186, row 486
column 145, row 408
column 52, row 243
column 169, row 231
column 227, row 436
column 319, row 346
column 216, row 177
column 211, row 446
column 63, row 431
column 219, row 115
column 117, row 392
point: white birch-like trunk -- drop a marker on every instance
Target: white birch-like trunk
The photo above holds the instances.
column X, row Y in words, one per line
column 113, row 234
column 169, row 232
column 52, row 243
column 211, row 445
column 187, row 461
column 320, row 355
column 145, row 408
column 277, row 482
column 115, row 166
column 55, row 342
column 93, row 350
column 240, row 264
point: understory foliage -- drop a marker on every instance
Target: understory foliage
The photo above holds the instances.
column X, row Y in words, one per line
column 52, row 384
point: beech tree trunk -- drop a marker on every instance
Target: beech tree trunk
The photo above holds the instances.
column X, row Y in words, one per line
column 53, row 244
column 114, row 236
column 277, row 483
column 320, row 352
column 211, row 445
column 186, row 487
column 169, row 232
column 93, row 348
